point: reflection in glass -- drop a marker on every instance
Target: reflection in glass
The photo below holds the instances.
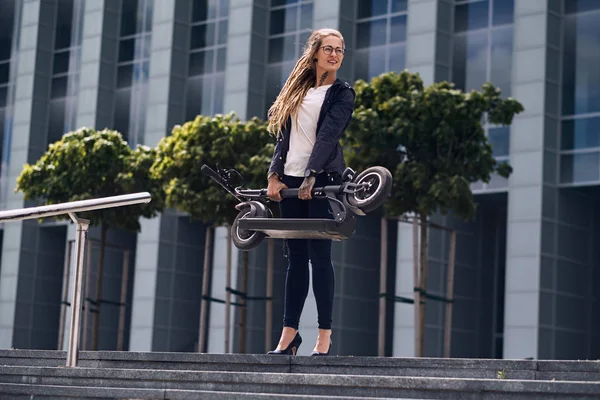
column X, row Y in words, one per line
column 574, row 6
column 194, row 98
column 577, row 168
column 277, row 3
column 60, row 64
column 64, row 21
column 3, row 94
column 129, row 17
column 372, row 33
column 7, row 9
column 284, row 20
column 223, row 8
column 202, row 35
column 397, row 58
column 471, row 16
column 370, row 62
column 56, row 123
column 212, row 9
column 126, row 50
column 503, row 12
column 501, row 64
column 222, row 32
column 4, row 72
column 141, row 72
column 306, row 16
column 124, row 75
column 148, row 17
column 59, row 87
column 201, row 62
column 273, row 83
column 398, row 29
column 143, row 46
column 470, row 60
column 282, row 49
column 276, row 76
column 5, row 47
column 221, row 58
column 219, row 96
column 122, row 108
column 499, row 138
column 372, row 8
column 199, row 10
column 399, row 5
column 580, row 133
column 581, row 64
column 205, row 98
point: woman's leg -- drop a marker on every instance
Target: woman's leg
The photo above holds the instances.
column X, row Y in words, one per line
column 297, row 275
column 323, row 274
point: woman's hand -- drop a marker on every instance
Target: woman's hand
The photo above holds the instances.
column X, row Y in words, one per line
column 304, row 193
column 273, row 188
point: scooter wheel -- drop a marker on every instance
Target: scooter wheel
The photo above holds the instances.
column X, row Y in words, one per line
column 245, row 239
column 378, row 182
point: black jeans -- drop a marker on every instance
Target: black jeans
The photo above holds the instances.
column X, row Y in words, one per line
column 300, row 251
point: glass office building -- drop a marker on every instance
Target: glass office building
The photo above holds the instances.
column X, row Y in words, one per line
column 527, row 278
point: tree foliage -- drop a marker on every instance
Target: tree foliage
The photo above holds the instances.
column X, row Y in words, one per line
column 441, row 130
column 86, row 164
column 223, row 141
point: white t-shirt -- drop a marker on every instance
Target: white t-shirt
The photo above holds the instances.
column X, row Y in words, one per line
column 304, row 133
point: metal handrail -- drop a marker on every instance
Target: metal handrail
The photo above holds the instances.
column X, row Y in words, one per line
column 71, row 208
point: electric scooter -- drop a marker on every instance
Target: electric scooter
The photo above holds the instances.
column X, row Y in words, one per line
column 357, row 195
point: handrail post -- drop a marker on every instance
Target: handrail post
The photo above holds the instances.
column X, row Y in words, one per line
column 76, row 303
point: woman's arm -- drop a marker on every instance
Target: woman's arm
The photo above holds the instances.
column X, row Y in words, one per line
column 277, row 161
column 333, row 126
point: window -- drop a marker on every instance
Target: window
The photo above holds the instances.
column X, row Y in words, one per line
column 581, row 64
column 65, row 69
column 133, row 69
column 580, row 133
column 380, row 37
column 208, row 51
column 482, row 52
column 289, row 29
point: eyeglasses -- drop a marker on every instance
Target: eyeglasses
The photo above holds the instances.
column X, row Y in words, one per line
column 329, row 49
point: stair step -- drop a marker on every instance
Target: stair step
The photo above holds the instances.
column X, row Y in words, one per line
column 300, row 384
column 28, row 391
column 346, row 365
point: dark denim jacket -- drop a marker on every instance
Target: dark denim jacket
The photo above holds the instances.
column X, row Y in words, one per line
column 334, row 118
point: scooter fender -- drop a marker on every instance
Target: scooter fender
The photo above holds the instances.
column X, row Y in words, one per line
column 353, row 209
column 257, row 209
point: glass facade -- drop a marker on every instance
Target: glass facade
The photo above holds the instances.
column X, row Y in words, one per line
column 530, row 243
column 482, row 52
column 380, row 37
column 133, row 69
column 7, row 14
column 580, row 129
column 208, row 52
column 10, row 12
column 65, row 68
column 289, row 29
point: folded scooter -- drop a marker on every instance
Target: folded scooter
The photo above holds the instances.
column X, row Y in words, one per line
column 357, row 195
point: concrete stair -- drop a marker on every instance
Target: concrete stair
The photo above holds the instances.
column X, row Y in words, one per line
column 42, row 374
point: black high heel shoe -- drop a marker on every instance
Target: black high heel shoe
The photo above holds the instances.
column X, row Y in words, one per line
column 316, row 353
column 292, row 348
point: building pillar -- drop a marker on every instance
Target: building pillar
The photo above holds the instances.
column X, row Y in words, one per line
column 23, row 309
column 531, row 224
column 428, row 50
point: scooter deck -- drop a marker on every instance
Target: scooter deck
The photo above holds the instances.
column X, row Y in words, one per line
column 300, row 228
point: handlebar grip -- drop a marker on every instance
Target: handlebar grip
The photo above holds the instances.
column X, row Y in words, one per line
column 286, row 193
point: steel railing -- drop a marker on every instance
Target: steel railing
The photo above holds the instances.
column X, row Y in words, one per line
column 82, row 232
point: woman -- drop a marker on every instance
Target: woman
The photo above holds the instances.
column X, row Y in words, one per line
column 308, row 117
